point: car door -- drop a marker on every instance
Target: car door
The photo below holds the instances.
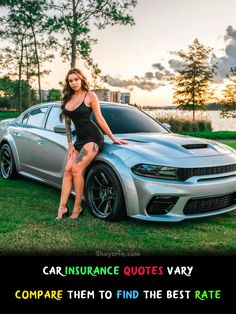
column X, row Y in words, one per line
column 26, row 138
column 52, row 152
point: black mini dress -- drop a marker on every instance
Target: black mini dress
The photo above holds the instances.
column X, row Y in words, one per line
column 86, row 130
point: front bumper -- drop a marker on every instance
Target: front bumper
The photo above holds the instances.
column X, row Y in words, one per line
column 196, row 188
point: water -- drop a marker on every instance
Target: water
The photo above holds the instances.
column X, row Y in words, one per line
column 218, row 123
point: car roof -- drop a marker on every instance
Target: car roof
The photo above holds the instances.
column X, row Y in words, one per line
column 102, row 103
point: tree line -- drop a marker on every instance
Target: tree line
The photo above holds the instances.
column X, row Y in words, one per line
column 34, row 30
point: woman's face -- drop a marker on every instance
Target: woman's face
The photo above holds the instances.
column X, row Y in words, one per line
column 74, row 82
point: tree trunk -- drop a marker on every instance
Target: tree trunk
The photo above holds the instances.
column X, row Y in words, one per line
column 28, row 79
column 38, row 64
column 73, row 38
column 20, row 76
column 73, row 50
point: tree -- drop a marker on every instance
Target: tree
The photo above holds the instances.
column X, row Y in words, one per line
column 8, row 93
column 229, row 96
column 54, row 95
column 192, row 90
column 73, row 19
column 24, row 27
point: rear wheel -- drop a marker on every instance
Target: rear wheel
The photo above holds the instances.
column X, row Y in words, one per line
column 104, row 193
column 7, row 163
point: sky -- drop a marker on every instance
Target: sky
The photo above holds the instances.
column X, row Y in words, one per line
column 126, row 54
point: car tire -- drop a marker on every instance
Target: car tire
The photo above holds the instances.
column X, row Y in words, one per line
column 7, row 163
column 103, row 193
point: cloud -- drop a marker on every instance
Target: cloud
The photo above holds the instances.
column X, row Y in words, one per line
column 149, row 75
column 224, row 63
column 230, row 33
column 149, row 81
column 228, row 61
column 158, row 66
column 144, row 83
column 175, row 64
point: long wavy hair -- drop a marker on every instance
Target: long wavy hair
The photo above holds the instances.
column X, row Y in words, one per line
column 68, row 91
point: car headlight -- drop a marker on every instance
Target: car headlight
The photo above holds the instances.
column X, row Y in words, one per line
column 155, row 171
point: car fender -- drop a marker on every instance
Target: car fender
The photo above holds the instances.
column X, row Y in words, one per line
column 8, row 139
column 126, row 180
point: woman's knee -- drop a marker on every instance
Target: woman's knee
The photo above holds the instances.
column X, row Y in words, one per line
column 77, row 170
column 68, row 171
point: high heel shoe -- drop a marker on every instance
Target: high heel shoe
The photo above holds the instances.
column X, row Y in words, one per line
column 66, row 214
column 77, row 215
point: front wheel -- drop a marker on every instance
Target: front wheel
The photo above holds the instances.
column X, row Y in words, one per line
column 104, row 194
column 7, row 163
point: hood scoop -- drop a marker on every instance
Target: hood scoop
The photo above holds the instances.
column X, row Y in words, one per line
column 134, row 140
column 195, row 146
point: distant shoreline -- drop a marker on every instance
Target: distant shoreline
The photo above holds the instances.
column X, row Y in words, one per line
column 175, row 107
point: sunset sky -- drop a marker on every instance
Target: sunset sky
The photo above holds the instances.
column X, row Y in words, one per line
column 126, row 54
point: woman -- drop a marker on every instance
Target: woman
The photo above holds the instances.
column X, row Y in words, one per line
column 78, row 102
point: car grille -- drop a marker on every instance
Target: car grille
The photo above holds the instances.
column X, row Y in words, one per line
column 186, row 173
column 203, row 205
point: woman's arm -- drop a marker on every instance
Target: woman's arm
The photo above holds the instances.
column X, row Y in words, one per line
column 68, row 130
column 69, row 136
column 100, row 119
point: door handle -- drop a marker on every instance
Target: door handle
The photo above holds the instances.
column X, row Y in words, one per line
column 15, row 133
column 40, row 142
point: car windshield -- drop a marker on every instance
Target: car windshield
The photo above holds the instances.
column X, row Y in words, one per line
column 129, row 120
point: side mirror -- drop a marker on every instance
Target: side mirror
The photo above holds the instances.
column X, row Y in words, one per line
column 167, row 126
column 59, row 128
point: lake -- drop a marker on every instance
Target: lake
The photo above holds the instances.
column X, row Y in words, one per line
column 218, row 123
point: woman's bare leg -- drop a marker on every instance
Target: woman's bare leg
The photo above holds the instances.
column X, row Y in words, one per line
column 84, row 158
column 66, row 187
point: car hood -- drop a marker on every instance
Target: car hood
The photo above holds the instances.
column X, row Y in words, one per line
column 7, row 121
column 171, row 146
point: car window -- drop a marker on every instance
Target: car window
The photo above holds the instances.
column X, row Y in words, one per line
column 129, row 120
column 53, row 118
column 25, row 118
column 37, row 116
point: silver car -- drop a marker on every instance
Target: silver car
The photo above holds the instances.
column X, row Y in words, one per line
column 158, row 176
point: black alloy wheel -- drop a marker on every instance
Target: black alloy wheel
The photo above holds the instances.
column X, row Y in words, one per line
column 7, row 163
column 104, row 194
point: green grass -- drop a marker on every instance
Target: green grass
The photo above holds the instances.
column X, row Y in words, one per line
column 28, row 226
column 213, row 135
column 8, row 114
column 230, row 143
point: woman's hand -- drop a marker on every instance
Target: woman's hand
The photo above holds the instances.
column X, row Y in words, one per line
column 71, row 150
column 119, row 141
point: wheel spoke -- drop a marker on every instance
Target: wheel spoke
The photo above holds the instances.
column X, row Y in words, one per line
column 101, row 185
column 107, row 207
column 103, row 200
column 7, row 170
column 5, row 159
column 104, row 178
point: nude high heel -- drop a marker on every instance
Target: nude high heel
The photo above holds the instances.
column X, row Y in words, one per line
column 77, row 215
column 66, row 214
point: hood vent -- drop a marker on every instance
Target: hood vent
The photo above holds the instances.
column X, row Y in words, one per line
column 195, row 146
column 134, row 140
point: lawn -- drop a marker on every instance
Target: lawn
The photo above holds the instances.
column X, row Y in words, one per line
column 28, row 226
column 217, row 135
column 8, row 114
column 230, row 143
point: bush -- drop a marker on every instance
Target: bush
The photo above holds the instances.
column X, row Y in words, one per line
column 181, row 123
